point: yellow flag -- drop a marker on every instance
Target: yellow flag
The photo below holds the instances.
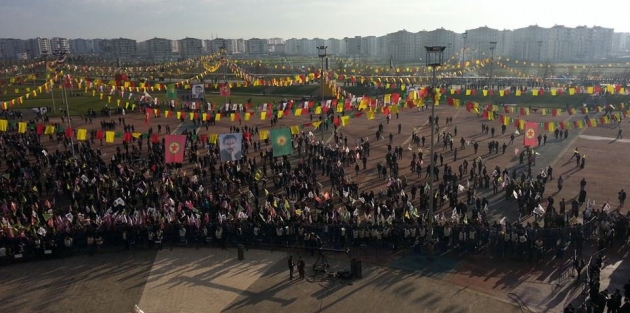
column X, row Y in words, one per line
column 370, row 115
column 4, row 124
column 345, row 120
column 109, row 136
column 280, row 113
column 213, row 138
column 21, row 127
column 318, row 110
column 191, row 116
column 48, row 131
column 204, row 116
column 136, row 135
column 263, row 115
column 232, row 117
column 179, row 115
column 81, row 134
column 264, row 134
column 298, row 112
column 295, row 130
column 316, row 124
column 247, row 116
column 217, row 117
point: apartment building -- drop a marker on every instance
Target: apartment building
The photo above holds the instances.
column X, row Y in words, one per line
column 60, row 45
column 532, row 43
column 157, row 49
column 190, row 47
column 256, row 46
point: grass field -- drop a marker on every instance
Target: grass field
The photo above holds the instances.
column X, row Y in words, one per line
column 80, row 104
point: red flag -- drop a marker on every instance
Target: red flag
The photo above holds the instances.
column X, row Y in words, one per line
column 174, row 148
column 155, row 138
column 69, row 132
column 127, row 137
column 147, row 115
column 225, row 90
column 40, row 129
column 531, row 131
column 100, row 134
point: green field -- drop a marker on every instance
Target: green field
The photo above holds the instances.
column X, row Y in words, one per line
column 265, row 94
column 80, row 104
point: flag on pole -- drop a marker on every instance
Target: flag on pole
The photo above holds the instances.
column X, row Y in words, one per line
column 174, row 148
column 281, row 141
column 531, row 131
column 171, row 91
column 225, row 90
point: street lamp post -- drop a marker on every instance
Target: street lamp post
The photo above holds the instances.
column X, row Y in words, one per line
column 61, row 57
column 52, row 87
column 464, row 35
column 224, row 60
column 321, row 53
column 434, row 58
column 493, row 45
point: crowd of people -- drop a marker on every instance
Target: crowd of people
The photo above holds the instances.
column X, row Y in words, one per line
column 79, row 197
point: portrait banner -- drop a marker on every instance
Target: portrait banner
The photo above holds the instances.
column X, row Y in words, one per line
column 198, row 91
column 230, row 146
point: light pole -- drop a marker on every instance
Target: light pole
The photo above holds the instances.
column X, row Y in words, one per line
column 61, row 58
column 464, row 35
column 224, row 60
column 52, row 87
column 540, row 50
column 321, row 53
column 493, row 45
column 434, row 58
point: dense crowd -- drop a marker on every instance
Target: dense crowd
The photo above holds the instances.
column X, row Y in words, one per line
column 79, row 196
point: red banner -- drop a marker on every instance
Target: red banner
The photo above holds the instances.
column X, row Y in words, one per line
column 531, row 132
column 174, row 146
column 225, row 90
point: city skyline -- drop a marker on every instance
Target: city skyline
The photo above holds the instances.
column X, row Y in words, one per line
column 145, row 19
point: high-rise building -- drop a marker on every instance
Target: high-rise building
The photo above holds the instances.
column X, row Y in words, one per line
column 60, row 45
column 158, row 49
column 12, row 49
column 256, row 46
column 190, row 47
column 38, row 47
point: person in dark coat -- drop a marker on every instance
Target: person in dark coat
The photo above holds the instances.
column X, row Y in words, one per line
column 291, row 267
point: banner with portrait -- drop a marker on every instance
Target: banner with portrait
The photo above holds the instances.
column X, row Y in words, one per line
column 230, row 146
column 198, row 91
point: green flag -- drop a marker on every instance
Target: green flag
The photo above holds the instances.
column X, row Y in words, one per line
column 171, row 91
column 281, row 141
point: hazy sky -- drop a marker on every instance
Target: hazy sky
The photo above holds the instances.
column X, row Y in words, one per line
column 205, row 19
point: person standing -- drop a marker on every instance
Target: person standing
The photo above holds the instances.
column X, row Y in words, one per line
column 301, row 265
column 622, row 197
column 619, row 133
column 291, row 267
